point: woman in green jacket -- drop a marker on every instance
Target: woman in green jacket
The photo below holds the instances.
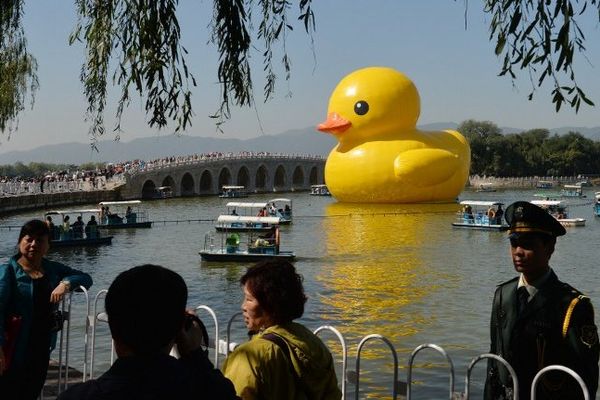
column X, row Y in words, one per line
column 31, row 287
column 283, row 360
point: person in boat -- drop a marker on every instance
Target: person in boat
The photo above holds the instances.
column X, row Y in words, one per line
column 287, row 211
column 262, row 212
column 499, row 214
column 491, row 214
column 52, row 228
column 31, row 287
column 129, row 215
column 468, row 212
column 283, row 359
column 234, row 212
column 272, row 209
column 270, row 238
column 144, row 326
column 91, row 229
column 78, row 226
column 538, row 320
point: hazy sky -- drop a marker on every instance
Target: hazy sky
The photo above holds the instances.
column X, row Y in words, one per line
column 454, row 69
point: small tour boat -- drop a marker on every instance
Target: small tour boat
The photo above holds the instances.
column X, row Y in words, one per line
column 230, row 192
column 572, row 191
column 132, row 215
column 558, row 210
column 67, row 233
column 597, row 205
column 544, row 185
column 280, row 208
column 228, row 247
column 319, row 190
column 163, row 192
column 481, row 215
column 486, row 187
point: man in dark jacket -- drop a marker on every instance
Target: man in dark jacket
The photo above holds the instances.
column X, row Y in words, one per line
column 538, row 320
column 146, row 314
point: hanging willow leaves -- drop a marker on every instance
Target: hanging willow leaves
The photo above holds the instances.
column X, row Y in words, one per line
column 142, row 38
column 17, row 67
column 232, row 30
column 542, row 37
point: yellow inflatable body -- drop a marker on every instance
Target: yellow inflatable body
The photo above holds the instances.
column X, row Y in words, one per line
column 381, row 156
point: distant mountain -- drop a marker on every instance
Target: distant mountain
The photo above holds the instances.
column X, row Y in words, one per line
column 301, row 141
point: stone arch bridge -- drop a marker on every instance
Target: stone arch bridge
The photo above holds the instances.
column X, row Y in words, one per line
column 206, row 176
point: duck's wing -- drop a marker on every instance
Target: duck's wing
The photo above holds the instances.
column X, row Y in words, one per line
column 426, row 167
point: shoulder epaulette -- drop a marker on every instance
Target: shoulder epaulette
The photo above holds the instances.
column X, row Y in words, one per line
column 569, row 313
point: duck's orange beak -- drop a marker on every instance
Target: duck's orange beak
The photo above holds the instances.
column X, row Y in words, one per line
column 335, row 123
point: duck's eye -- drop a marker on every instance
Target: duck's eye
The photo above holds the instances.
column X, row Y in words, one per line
column 361, row 107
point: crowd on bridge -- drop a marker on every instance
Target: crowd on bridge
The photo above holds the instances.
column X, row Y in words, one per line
column 62, row 181
column 114, row 173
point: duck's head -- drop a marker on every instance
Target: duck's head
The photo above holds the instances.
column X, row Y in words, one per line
column 371, row 103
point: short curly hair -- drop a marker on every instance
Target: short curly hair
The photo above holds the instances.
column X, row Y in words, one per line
column 278, row 289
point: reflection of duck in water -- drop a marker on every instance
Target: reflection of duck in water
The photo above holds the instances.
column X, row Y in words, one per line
column 381, row 155
column 376, row 263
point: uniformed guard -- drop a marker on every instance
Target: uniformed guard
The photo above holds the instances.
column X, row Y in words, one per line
column 538, row 320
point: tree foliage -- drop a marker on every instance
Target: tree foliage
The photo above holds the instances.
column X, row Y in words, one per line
column 542, row 37
column 17, row 67
column 530, row 153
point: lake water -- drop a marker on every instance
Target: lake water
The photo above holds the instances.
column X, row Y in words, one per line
column 398, row 270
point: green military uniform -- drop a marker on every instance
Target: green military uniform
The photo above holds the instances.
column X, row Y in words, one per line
column 556, row 326
column 534, row 339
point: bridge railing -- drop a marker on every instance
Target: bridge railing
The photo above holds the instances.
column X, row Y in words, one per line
column 161, row 165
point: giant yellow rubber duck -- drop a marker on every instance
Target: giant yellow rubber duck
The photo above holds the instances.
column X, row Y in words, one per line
column 381, row 156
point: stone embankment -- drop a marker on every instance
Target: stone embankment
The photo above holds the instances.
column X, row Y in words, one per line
column 48, row 201
column 524, row 182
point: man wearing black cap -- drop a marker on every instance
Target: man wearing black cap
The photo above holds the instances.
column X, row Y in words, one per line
column 538, row 320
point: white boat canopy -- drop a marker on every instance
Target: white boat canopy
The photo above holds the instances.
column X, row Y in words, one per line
column 318, row 186
column 242, row 219
column 280, row 200
column 240, row 204
column 63, row 212
column 480, row 203
column 120, row 203
column 233, row 187
column 572, row 186
column 546, row 202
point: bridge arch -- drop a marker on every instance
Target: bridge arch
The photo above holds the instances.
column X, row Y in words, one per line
column 169, row 181
column 187, row 185
column 279, row 178
column 313, row 177
column 262, row 175
column 204, row 176
column 243, row 177
column 148, row 189
column 206, row 182
column 298, row 177
column 224, row 178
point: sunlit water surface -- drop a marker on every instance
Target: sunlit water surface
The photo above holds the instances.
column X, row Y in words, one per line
column 398, row 270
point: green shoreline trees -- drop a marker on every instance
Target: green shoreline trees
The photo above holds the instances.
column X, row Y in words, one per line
column 530, row 153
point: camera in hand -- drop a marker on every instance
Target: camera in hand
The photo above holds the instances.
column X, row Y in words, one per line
column 190, row 319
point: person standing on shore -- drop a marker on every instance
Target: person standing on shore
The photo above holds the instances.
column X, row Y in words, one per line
column 30, row 289
column 538, row 320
